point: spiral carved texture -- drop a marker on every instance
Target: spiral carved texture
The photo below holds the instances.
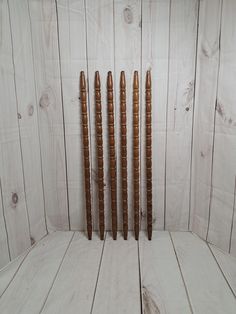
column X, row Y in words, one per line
column 83, row 100
column 112, row 152
column 149, row 153
column 136, row 153
column 123, row 139
column 98, row 106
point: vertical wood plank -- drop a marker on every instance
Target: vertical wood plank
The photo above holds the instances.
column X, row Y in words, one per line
column 5, row 254
column 204, row 114
column 183, row 35
column 127, row 55
column 99, row 24
column 28, row 116
column 224, row 167
column 12, row 181
column 49, row 100
column 155, row 53
column 72, row 46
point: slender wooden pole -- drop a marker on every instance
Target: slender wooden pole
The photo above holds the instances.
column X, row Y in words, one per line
column 123, row 140
column 136, row 153
column 98, row 105
column 112, row 152
column 83, row 100
column 149, row 153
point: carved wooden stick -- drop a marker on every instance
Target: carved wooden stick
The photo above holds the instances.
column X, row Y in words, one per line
column 149, row 153
column 123, row 140
column 83, row 100
column 111, row 129
column 99, row 154
column 136, row 153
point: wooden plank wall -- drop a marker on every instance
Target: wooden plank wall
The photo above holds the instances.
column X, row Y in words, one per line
column 189, row 45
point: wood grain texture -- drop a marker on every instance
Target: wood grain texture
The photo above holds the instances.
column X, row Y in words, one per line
column 112, row 153
column 36, row 275
column 214, row 296
column 204, row 113
column 136, row 153
column 83, row 99
column 75, row 284
column 149, row 153
column 118, row 282
column 98, row 104
column 4, row 246
column 28, row 117
column 123, row 150
column 11, row 170
column 44, row 29
column 162, row 287
column 155, row 57
column 72, row 48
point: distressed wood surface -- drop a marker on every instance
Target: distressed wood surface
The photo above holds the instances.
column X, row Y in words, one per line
column 118, row 282
column 72, row 48
column 75, row 284
column 136, row 164
column 11, row 170
column 4, row 246
column 214, row 296
column 99, row 153
column 35, row 276
column 28, row 117
column 100, row 57
column 204, row 114
column 222, row 205
column 123, row 150
column 148, row 92
column 155, row 30
column 162, row 287
column 127, row 57
column 43, row 20
column 112, row 153
column 83, row 99
column 181, row 82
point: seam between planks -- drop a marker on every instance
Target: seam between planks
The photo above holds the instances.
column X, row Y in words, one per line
column 58, row 270
column 140, row 279
column 99, row 268
column 233, row 214
column 221, row 270
column 185, row 286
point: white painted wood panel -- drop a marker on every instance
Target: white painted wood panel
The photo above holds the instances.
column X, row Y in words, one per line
column 36, row 275
column 208, row 290
column 49, row 101
column 4, row 249
column 127, row 57
column 72, row 45
column 204, row 114
column 74, row 286
column 183, row 36
column 163, row 290
column 224, row 168
column 155, row 52
column 28, row 116
column 12, row 183
column 118, row 288
column 228, row 266
column 100, row 54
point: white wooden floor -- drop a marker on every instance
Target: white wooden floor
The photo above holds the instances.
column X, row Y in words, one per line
column 66, row 273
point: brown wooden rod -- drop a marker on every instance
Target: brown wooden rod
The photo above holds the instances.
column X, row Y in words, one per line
column 149, row 153
column 112, row 153
column 136, row 153
column 123, row 144
column 83, row 99
column 98, row 106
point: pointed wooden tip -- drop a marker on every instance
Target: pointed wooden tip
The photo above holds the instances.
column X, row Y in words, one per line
column 97, row 79
column 122, row 79
column 135, row 82
column 82, row 80
column 109, row 79
column 148, row 79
